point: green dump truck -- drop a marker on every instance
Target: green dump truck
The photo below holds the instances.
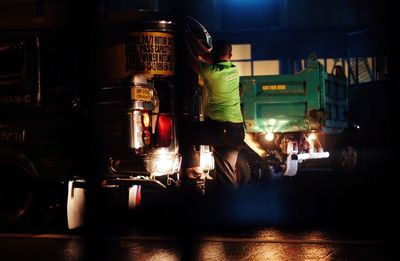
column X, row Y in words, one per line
column 297, row 118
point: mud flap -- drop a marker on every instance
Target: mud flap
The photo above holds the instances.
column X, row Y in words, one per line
column 135, row 196
column 291, row 165
column 76, row 205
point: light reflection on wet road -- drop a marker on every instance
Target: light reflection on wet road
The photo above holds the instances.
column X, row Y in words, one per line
column 310, row 217
column 266, row 244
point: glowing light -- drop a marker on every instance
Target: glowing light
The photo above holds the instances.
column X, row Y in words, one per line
column 206, row 158
column 312, row 137
column 162, row 162
column 269, row 136
column 146, row 119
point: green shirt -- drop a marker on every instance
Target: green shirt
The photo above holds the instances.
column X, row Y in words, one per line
column 222, row 82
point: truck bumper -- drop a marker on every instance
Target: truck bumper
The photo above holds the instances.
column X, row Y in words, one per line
column 313, row 155
column 77, row 190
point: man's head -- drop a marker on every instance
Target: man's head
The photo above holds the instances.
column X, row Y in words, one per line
column 222, row 50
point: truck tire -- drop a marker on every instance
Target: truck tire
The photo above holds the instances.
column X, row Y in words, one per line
column 348, row 157
column 259, row 173
column 20, row 196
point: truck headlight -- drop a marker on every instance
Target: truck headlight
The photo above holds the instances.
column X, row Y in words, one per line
column 162, row 161
column 206, row 158
column 269, row 136
column 311, row 137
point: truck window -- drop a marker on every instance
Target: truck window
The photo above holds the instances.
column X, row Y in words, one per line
column 11, row 62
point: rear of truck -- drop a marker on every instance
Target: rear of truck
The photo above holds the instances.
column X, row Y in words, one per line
column 292, row 118
column 134, row 113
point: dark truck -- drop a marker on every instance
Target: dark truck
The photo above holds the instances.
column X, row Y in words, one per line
column 298, row 118
column 82, row 108
column 133, row 111
column 39, row 120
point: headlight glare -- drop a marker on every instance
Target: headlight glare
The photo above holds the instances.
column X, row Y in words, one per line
column 161, row 162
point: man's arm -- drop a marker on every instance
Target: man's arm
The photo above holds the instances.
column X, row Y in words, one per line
column 195, row 50
column 201, row 50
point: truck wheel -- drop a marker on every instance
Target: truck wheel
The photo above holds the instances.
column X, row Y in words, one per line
column 243, row 171
column 347, row 158
column 19, row 196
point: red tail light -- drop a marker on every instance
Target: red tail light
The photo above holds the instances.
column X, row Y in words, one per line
column 164, row 130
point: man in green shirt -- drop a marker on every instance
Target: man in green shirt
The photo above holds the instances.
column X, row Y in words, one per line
column 223, row 127
column 222, row 81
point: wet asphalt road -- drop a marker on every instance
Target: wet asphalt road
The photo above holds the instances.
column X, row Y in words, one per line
column 265, row 244
column 316, row 215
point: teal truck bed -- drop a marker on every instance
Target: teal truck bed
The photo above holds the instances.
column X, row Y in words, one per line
column 309, row 100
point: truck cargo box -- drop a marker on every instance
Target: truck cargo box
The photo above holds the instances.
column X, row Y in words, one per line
column 309, row 100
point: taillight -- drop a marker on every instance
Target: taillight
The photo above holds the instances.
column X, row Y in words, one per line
column 140, row 135
column 146, row 137
column 146, row 119
column 164, row 130
column 146, row 132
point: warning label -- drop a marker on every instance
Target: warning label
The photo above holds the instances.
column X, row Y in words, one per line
column 150, row 53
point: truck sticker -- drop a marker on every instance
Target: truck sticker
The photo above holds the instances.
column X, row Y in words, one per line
column 15, row 99
column 280, row 87
column 141, row 94
column 150, row 53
